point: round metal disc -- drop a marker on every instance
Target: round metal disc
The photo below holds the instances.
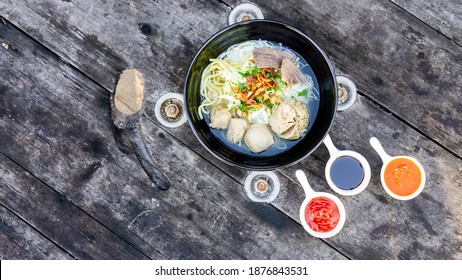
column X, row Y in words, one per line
column 171, row 97
column 246, row 11
column 262, row 186
column 349, row 88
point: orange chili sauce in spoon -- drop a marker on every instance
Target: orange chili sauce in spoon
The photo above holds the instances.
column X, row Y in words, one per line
column 402, row 176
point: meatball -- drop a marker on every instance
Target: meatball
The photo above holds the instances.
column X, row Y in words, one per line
column 258, row 138
column 236, row 129
column 219, row 117
column 289, row 120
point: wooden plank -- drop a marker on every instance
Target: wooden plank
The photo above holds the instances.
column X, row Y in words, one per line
column 56, row 124
column 58, row 219
column 378, row 226
column 392, row 56
column 443, row 177
column 429, row 227
column 444, row 16
column 19, row 241
column 290, row 198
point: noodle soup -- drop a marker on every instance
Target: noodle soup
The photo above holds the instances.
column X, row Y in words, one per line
column 259, row 98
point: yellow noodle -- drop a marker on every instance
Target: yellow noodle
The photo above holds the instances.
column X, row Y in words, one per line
column 213, row 82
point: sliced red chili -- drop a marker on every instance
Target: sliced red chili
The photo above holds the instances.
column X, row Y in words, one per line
column 322, row 214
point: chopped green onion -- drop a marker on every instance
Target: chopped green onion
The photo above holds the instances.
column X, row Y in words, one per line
column 242, row 106
column 251, row 72
column 254, row 70
column 251, row 109
column 303, row 93
column 279, row 82
column 241, row 86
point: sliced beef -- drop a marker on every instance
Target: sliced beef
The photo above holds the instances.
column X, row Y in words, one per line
column 290, row 73
column 270, row 58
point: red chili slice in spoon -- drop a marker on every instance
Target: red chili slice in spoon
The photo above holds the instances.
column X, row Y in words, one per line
column 322, row 214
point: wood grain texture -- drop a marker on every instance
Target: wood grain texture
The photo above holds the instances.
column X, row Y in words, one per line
column 378, row 226
column 56, row 124
column 394, row 58
column 54, row 216
column 20, row 241
column 162, row 43
column 444, row 16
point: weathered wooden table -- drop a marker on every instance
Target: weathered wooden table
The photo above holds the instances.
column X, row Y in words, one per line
column 68, row 192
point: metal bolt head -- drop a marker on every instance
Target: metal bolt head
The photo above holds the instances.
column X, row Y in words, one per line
column 172, row 110
column 261, row 186
column 342, row 94
column 347, row 93
column 169, row 110
column 246, row 17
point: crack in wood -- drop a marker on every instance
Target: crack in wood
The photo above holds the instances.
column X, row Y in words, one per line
column 139, row 215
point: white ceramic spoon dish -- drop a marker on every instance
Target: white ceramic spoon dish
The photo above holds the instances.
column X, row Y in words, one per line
column 386, row 159
column 310, row 195
column 335, row 154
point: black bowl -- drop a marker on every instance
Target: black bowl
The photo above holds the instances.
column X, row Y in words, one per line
column 289, row 37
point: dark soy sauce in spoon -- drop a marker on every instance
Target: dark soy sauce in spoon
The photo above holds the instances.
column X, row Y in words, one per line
column 347, row 173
